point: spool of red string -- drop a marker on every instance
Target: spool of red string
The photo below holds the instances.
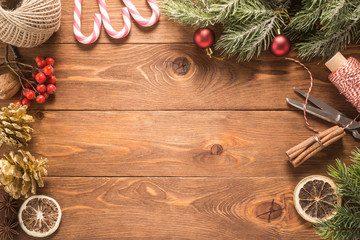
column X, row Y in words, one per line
column 346, row 77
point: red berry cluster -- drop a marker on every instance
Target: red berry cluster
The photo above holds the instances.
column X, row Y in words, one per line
column 44, row 83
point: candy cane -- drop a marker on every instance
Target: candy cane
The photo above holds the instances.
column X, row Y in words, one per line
column 138, row 18
column 77, row 25
column 106, row 20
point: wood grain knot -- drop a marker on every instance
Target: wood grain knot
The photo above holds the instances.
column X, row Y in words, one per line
column 181, row 65
column 216, row 149
column 39, row 115
column 269, row 211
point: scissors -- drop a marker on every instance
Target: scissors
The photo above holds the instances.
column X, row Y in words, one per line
column 326, row 112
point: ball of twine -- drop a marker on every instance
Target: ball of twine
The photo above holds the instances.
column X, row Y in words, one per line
column 31, row 23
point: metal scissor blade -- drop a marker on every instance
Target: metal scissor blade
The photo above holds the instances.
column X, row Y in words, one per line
column 312, row 110
column 319, row 103
column 341, row 120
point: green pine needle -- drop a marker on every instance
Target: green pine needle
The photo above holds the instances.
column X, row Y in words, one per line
column 345, row 225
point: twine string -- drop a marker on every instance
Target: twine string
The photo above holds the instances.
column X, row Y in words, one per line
column 31, row 23
column 308, row 93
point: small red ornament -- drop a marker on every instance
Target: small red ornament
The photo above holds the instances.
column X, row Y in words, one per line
column 204, row 37
column 280, row 46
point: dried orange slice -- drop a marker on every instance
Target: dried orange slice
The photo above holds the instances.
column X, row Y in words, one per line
column 39, row 216
column 315, row 198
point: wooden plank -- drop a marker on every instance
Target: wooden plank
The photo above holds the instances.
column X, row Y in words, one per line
column 164, row 30
column 178, row 143
column 176, row 208
column 151, row 77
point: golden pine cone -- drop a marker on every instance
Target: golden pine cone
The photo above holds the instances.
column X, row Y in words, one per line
column 14, row 128
column 20, row 173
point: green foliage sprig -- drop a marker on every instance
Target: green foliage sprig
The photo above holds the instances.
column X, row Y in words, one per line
column 320, row 27
column 346, row 223
column 249, row 26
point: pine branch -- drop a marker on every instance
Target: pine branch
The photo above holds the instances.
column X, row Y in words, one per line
column 340, row 26
column 242, row 12
column 322, row 46
column 347, row 181
column 304, row 21
column 322, row 27
column 189, row 12
column 345, row 225
column 225, row 9
column 248, row 41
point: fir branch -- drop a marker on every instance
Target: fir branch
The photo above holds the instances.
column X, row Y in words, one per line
column 345, row 225
column 248, row 41
column 322, row 46
column 347, row 181
column 242, row 12
column 322, row 27
column 305, row 20
column 224, row 9
column 188, row 12
column 337, row 15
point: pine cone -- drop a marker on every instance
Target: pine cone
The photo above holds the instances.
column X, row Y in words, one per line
column 19, row 173
column 14, row 128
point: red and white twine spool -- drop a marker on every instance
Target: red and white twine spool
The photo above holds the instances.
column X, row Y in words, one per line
column 347, row 80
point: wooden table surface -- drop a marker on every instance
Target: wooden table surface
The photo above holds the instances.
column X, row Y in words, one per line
column 148, row 138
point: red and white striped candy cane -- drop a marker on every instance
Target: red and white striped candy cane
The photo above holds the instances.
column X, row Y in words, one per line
column 138, row 18
column 77, row 25
column 106, row 20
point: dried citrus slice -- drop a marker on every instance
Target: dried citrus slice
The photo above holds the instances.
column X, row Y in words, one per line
column 39, row 216
column 315, row 198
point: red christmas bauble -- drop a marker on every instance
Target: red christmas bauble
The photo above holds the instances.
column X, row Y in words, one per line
column 280, row 46
column 204, row 37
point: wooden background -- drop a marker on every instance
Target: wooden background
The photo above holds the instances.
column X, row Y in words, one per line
column 148, row 138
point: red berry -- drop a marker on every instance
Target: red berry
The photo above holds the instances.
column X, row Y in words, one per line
column 38, row 59
column 25, row 91
column 51, row 80
column 46, row 95
column 26, row 102
column 34, row 73
column 40, row 99
column 41, row 88
column 30, row 95
column 41, row 63
column 50, row 61
column 27, row 85
column 50, row 89
column 17, row 102
column 48, row 70
column 40, row 78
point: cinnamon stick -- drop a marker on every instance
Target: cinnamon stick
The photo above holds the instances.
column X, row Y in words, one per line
column 298, row 149
column 308, row 148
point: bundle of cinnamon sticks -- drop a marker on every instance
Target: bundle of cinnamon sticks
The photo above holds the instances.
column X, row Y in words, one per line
column 308, row 148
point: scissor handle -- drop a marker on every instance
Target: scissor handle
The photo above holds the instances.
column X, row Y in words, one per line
column 355, row 134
